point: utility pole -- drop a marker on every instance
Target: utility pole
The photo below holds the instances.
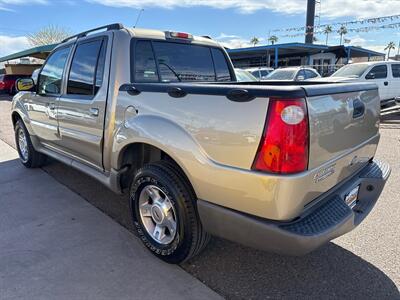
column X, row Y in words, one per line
column 310, row 22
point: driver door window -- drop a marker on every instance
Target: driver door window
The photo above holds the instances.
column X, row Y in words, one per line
column 301, row 75
column 378, row 72
column 51, row 75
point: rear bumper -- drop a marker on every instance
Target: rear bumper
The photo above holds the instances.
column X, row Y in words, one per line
column 331, row 217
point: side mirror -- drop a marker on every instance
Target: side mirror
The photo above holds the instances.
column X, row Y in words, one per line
column 300, row 78
column 24, row 85
column 370, row 76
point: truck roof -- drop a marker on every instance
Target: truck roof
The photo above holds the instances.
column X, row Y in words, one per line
column 161, row 35
column 146, row 33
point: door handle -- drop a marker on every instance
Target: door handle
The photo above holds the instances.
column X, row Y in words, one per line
column 176, row 92
column 358, row 108
column 386, row 83
column 240, row 95
column 94, row 112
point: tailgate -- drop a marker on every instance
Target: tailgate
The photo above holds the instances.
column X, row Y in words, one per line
column 344, row 125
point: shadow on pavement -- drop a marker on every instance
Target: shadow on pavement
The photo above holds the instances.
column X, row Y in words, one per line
column 237, row 272
column 331, row 272
column 5, row 97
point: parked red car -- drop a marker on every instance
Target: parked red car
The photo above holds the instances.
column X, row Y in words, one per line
column 7, row 82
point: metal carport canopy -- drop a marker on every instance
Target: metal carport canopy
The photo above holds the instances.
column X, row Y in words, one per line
column 38, row 52
column 287, row 49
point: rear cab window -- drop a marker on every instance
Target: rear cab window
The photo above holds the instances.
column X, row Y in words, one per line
column 161, row 61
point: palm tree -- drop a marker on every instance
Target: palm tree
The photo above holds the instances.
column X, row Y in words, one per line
column 327, row 31
column 342, row 31
column 390, row 46
column 273, row 39
column 254, row 41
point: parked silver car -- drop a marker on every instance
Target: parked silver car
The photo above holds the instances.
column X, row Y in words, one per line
column 293, row 74
column 260, row 73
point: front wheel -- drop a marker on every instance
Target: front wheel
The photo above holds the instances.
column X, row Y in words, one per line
column 164, row 213
column 29, row 157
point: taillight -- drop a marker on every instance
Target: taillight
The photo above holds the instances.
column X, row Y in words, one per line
column 2, row 85
column 284, row 147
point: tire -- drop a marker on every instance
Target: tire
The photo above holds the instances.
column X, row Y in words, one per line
column 166, row 180
column 29, row 157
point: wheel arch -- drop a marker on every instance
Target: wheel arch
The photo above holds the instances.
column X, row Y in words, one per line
column 15, row 116
column 133, row 156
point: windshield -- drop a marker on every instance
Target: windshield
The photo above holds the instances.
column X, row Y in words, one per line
column 282, row 74
column 242, row 75
column 352, row 71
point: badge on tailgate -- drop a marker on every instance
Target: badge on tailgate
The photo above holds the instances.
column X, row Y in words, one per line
column 324, row 173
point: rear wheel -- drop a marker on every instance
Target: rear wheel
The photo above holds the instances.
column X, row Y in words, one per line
column 164, row 213
column 29, row 157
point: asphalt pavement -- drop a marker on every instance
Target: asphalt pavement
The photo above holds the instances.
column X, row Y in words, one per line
column 363, row 264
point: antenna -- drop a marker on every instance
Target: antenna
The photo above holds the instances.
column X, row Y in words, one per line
column 138, row 17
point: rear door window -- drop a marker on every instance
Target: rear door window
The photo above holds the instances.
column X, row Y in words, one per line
column 379, row 72
column 83, row 76
column 396, row 70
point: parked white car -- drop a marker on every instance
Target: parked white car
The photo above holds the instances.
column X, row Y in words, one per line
column 386, row 74
column 260, row 73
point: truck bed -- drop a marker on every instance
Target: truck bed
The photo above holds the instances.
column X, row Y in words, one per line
column 223, row 125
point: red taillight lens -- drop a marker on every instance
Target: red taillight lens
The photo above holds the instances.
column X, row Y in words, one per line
column 284, row 148
column 2, row 85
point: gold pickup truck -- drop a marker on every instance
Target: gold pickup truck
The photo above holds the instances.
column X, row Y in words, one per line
column 279, row 166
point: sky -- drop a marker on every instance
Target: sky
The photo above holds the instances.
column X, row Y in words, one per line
column 232, row 22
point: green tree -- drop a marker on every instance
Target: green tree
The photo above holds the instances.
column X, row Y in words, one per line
column 254, row 41
column 51, row 34
column 389, row 47
column 342, row 31
column 273, row 39
column 327, row 30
